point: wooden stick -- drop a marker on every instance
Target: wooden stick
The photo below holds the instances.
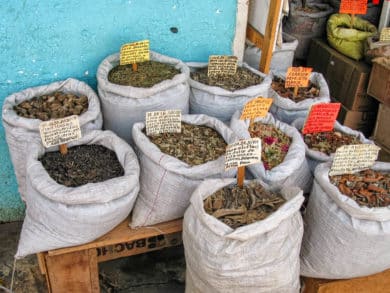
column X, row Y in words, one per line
column 295, row 91
column 240, row 176
column 352, row 19
column 135, row 66
column 251, row 121
column 63, row 149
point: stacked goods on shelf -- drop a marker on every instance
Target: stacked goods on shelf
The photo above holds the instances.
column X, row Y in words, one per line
column 374, row 48
column 347, row 80
column 320, row 147
column 221, row 97
column 75, row 198
column 287, row 108
column 283, row 151
column 24, row 111
column 306, row 22
column 347, row 224
column 234, row 237
column 126, row 95
column 174, row 164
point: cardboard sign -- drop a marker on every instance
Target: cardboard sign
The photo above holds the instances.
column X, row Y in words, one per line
column 321, row 117
column 385, row 35
column 353, row 158
column 60, row 131
column 353, row 6
column 243, row 153
column 134, row 52
column 256, row 108
column 222, row 65
column 298, row 77
column 163, row 121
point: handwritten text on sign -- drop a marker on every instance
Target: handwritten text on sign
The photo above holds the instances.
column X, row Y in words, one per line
column 298, row 77
column 353, row 6
column 385, row 35
column 256, row 108
column 243, row 153
column 163, row 121
column 222, row 65
column 60, row 131
column 134, row 52
column 321, row 117
column 353, row 158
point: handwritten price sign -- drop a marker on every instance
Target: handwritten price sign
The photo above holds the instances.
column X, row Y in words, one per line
column 243, row 153
column 298, row 77
column 163, row 121
column 134, row 52
column 222, row 65
column 353, row 6
column 60, row 131
column 321, row 118
column 256, row 108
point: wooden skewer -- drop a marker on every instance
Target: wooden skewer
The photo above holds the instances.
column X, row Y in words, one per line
column 295, row 91
column 240, row 176
column 134, row 66
column 63, row 149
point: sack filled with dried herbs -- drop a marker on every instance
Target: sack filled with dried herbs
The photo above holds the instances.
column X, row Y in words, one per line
column 123, row 105
column 59, row 216
column 220, row 258
column 285, row 109
column 216, row 100
column 283, row 151
column 171, row 171
column 320, row 147
column 25, row 110
column 344, row 239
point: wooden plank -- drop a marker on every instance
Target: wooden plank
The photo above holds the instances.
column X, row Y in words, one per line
column 123, row 233
column 41, row 262
column 254, row 36
column 71, row 272
column 94, row 270
column 138, row 246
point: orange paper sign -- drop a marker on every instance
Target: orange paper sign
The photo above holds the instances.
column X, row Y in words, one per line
column 256, row 108
column 353, row 6
column 321, row 117
column 298, row 77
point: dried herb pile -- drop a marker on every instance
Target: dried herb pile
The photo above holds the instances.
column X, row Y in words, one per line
column 310, row 92
column 329, row 141
column 242, row 79
column 274, row 143
column 368, row 188
column 81, row 165
column 52, row 106
column 238, row 207
column 195, row 145
column 148, row 74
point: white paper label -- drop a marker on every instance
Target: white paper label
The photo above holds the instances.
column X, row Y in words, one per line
column 243, row 153
column 60, row 131
column 163, row 121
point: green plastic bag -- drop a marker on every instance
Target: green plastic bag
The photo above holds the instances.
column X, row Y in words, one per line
column 347, row 39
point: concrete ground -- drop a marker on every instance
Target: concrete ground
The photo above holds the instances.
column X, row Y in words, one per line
column 158, row 271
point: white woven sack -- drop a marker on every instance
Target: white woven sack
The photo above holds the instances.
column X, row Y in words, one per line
column 260, row 257
column 315, row 157
column 343, row 240
column 20, row 132
column 294, row 170
column 287, row 110
column 166, row 183
column 123, row 106
column 58, row 216
column 220, row 103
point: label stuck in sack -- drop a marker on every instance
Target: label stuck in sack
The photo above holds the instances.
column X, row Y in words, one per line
column 163, row 121
column 134, row 52
column 222, row 65
column 321, row 117
column 243, row 153
column 60, row 131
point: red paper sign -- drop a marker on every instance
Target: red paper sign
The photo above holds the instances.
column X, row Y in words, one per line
column 353, row 6
column 321, row 117
column 298, row 77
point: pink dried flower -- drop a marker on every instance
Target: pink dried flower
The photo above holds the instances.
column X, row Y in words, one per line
column 266, row 166
column 285, row 148
column 269, row 140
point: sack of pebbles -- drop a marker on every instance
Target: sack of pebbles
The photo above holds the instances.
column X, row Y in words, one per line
column 342, row 238
column 286, row 109
column 325, row 147
column 262, row 256
column 59, row 216
column 24, row 111
column 124, row 105
column 219, row 99
column 292, row 168
column 166, row 182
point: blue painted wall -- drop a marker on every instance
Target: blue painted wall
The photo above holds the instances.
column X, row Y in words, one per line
column 42, row 41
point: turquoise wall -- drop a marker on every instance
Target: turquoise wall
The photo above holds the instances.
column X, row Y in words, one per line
column 49, row 40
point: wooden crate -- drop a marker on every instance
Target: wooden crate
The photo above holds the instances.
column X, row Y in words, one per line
column 378, row 283
column 75, row 269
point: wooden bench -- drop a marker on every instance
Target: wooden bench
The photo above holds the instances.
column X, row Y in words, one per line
column 75, row 269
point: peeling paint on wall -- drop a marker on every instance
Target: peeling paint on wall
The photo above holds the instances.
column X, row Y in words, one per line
column 45, row 41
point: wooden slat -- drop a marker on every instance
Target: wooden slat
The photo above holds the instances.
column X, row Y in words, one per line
column 94, row 270
column 123, row 233
column 254, row 36
column 41, row 262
